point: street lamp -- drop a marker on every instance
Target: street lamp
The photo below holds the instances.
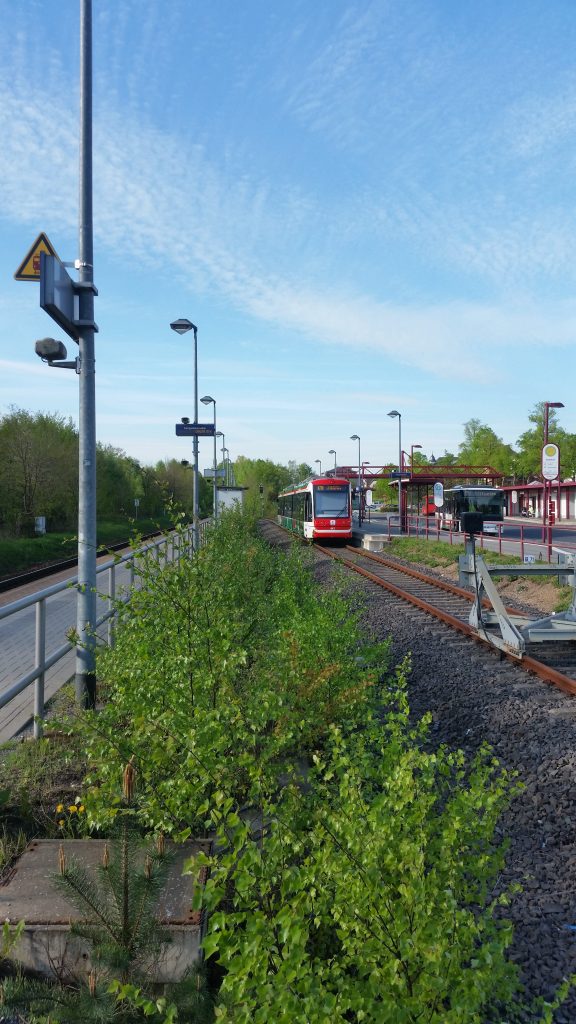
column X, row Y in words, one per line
column 412, row 447
column 319, row 462
column 332, row 452
column 223, row 448
column 395, row 414
column 182, row 326
column 548, row 483
column 355, row 437
column 207, row 400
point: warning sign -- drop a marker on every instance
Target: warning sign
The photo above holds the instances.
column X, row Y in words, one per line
column 29, row 269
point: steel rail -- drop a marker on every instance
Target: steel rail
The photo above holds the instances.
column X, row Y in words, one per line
column 546, row 673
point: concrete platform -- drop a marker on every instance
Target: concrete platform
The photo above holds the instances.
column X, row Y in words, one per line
column 29, row 892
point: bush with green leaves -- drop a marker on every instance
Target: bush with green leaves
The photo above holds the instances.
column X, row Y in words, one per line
column 222, row 661
column 368, row 896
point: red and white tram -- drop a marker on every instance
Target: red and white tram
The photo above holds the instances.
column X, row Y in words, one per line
column 318, row 509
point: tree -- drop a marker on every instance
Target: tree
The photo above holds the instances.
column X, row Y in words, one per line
column 38, row 470
column 482, row 447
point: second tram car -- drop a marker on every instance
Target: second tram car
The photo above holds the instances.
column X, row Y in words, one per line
column 489, row 501
column 320, row 508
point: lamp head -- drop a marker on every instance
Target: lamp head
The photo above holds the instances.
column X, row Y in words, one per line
column 354, row 437
column 394, row 412
column 207, row 400
column 182, row 326
column 49, row 350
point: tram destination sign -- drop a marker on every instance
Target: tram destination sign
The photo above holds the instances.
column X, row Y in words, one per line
column 194, row 430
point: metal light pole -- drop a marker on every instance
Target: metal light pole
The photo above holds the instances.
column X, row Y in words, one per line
column 412, row 447
column 223, row 449
column 206, row 401
column 355, row 437
column 394, row 413
column 332, row 452
column 85, row 682
column 546, row 526
column 319, row 462
column 182, row 326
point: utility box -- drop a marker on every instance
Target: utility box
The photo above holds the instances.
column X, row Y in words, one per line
column 566, row 558
column 472, row 522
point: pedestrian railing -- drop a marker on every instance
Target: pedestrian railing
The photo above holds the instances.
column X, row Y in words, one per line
column 168, row 548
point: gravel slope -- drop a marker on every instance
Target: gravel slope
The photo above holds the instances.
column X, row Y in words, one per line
column 475, row 697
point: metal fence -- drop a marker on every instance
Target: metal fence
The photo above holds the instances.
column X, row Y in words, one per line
column 116, row 580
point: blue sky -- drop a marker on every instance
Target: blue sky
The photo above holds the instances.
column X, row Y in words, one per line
column 364, row 206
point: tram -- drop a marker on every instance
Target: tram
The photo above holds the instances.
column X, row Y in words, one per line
column 489, row 501
column 318, row 509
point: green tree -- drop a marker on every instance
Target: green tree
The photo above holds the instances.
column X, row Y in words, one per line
column 530, row 444
column 482, row 447
column 38, row 470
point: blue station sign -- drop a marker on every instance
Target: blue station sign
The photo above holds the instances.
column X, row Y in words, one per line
column 194, row 430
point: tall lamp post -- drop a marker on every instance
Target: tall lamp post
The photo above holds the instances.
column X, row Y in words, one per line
column 207, row 400
column 412, row 447
column 355, row 437
column 182, row 326
column 546, row 525
column 395, row 414
column 332, row 452
column 223, row 449
column 319, row 463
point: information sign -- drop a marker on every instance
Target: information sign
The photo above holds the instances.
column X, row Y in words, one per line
column 438, row 494
column 550, row 461
column 57, row 294
column 194, row 430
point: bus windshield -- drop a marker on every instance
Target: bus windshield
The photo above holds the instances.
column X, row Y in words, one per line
column 331, row 501
column 489, row 503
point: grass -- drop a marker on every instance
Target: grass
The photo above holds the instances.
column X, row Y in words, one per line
column 439, row 555
column 22, row 553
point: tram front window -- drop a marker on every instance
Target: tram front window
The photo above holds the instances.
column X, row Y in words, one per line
column 331, row 501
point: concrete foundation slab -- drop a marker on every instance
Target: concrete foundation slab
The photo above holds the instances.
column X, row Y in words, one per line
column 29, row 892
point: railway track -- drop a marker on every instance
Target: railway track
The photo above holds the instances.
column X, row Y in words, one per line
column 552, row 662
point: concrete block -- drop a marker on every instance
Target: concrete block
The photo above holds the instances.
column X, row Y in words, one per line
column 29, row 893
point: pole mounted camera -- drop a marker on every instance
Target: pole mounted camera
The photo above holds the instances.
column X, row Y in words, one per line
column 54, row 353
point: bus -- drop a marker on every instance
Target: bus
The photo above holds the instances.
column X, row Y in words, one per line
column 489, row 501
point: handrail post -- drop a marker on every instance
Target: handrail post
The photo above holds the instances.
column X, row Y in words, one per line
column 111, row 599
column 40, row 658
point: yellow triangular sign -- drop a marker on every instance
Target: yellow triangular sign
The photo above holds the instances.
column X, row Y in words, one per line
column 29, row 269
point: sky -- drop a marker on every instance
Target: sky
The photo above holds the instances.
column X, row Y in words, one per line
column 363, row 206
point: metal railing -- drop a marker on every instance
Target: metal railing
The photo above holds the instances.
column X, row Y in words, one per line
column 166, row 549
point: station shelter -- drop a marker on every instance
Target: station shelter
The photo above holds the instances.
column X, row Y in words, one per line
column 528, row 499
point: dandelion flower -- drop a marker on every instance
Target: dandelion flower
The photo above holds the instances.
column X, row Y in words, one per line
column 59, row 808
column 73, row 809
column 61, row 822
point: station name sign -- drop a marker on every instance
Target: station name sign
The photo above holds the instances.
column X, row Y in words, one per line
column 194, row 430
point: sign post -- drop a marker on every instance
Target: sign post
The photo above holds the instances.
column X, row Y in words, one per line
column 550, row 471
